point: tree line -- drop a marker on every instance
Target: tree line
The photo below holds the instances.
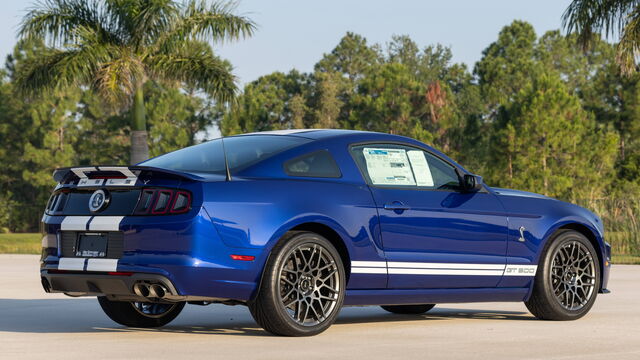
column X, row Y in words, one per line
column 536, row 113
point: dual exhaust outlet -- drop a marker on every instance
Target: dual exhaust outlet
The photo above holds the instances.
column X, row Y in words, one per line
column 150, row 290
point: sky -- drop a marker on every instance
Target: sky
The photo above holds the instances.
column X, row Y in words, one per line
column 296, row 33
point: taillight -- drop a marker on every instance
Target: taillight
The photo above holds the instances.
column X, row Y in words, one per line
column 163, row 201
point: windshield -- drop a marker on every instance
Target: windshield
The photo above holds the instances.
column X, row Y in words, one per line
column 242, row 152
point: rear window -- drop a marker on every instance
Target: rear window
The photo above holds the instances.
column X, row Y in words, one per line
column 242, row 152
column 316, row 164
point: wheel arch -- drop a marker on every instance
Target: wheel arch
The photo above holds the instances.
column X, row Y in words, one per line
column 316, row 226
column 590, row 234
column 333, row 237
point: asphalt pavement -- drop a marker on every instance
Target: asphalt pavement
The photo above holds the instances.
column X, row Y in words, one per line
column 35, row 325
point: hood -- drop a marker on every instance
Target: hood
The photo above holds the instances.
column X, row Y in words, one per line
column 510, row 192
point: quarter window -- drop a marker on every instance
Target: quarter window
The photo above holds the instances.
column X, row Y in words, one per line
column 404, row 166
column 316, row 164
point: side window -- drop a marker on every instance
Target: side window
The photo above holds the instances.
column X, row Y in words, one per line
column 404, row 166
column 315, row 164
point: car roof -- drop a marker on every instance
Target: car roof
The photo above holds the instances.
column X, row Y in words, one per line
column 314, row 134
column 354, row 136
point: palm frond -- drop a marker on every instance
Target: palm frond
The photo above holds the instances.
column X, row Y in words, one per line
column 55, row 21
column 153, row 19
column 59, row 68
column 194, row 64
column 143, row 21
column 628, row 49
column 116, row 80
column 589, row 17
column 214, row 22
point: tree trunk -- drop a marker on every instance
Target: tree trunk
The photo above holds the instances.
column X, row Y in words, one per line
column 139, row 146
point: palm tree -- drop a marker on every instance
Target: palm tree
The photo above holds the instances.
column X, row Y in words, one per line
column 116, row 46
column 620, row 18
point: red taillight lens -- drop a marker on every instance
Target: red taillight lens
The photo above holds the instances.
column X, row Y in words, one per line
column 163, row 201
column 181, row 202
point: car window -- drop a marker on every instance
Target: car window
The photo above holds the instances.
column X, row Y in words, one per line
column 242, row 152
column 316, row 164
column 404, row 166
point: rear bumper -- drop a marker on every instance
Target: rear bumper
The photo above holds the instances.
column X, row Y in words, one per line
column 182, row 283
column 81, row 284
column 183, row 252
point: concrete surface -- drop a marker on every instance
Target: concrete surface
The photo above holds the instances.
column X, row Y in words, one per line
column 36, row 325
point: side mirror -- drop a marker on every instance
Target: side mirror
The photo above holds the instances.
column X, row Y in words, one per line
column 471, row 183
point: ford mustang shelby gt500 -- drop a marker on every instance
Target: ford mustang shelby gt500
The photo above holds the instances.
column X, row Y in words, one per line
column 295, row 224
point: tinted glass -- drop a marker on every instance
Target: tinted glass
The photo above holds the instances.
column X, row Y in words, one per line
column 317, row 164
column 242, row 151
column 404, row 166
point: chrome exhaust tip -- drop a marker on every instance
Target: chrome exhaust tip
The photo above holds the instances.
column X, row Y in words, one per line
column 141, row 289
column 157, row 291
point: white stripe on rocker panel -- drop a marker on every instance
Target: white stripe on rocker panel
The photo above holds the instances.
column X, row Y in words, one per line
column 74, row 223
column 365, row 270
column 102, row 264
column 71, row 264
column 420, row 265
column 105, row 223
column 444, row 272
column 381, row 264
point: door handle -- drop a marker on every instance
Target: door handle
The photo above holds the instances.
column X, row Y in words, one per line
column 396, row 206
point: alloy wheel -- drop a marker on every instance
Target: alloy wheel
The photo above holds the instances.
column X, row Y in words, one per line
column 152, row 310
column 573, row 275
column 309, row 284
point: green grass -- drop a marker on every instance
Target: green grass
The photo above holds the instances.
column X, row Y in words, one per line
column 625, row 259
column 30, row 243
column 26, row 243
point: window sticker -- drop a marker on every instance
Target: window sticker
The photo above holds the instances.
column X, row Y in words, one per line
column 420, row 168
column 388, row 166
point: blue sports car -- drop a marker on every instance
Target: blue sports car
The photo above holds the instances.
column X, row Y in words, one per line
column 296, row 224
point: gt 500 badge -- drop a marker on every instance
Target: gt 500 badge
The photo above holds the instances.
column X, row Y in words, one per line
column 99, row 200
column 520, row 270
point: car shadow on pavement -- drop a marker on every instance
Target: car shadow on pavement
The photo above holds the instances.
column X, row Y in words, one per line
column 83, row 315
column 438, row 313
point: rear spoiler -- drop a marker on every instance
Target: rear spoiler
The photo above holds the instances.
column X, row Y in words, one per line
column 113, row 175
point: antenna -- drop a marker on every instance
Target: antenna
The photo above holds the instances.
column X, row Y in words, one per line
column 226, row 163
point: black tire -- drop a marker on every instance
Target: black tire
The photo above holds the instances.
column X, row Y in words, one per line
column 408, row 309
column 131, row 314
column 557, row 292
column 289, row 277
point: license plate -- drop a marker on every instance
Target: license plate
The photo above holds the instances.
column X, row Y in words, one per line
column 92, row 245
